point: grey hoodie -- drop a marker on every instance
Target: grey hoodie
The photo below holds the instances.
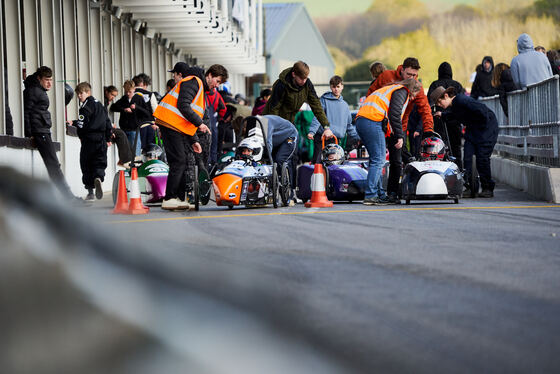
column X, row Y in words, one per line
column 529, row 66
column 339, row 116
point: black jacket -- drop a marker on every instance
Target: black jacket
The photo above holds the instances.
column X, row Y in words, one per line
column 480, row 122
column 395, row 111
column 482, row 86
column 188, row 92
column 287, row 98
column 445, row 80
column 37, row 118
column 93, row 122
column 140, row 114
column 506, row 85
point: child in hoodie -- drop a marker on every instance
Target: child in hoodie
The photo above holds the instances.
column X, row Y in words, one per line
column 338, row 114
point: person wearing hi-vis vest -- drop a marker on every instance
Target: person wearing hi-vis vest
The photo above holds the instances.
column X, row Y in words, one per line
column 179, row 115
column 381, row 116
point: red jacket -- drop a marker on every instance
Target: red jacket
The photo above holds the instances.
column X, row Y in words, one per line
column 216, row 100
column 421, row 101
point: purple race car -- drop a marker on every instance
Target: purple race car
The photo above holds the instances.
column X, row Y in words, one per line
column 345, row 178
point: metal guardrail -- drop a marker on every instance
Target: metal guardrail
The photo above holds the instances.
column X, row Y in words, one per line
column 531, row 130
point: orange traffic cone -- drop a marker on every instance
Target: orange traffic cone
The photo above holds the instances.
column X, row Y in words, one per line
column 135, row 206
column 121, row 207
column 318, row 194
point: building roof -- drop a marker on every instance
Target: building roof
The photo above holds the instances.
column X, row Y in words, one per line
column 277, row 18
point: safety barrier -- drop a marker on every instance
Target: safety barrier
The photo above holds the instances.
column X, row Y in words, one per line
column 531, row 130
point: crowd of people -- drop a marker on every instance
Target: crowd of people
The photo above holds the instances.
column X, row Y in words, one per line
column 194, row 119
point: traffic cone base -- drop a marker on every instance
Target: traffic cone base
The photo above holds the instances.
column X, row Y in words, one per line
column 121, row 206
column 135, row 206
column 318, row 195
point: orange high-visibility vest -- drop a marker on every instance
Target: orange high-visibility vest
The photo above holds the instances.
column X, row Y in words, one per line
column 168, row 115
column 376, row 106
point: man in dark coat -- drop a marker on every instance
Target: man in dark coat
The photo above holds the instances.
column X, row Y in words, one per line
column 291, row 91
column 453, row 125
column 37, row 124
column 481, row 133
column 482, row 85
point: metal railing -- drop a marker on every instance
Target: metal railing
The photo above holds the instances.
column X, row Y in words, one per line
column 531, row 130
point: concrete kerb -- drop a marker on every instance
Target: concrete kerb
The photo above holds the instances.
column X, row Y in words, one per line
column 539, row 181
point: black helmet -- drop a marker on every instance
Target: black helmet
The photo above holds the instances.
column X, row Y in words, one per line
column 432, row 148
column 68, row 93
column 333, row 154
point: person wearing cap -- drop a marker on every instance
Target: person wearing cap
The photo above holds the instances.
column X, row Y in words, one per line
column 408, row 69
column 481, row 133
column 179, row 115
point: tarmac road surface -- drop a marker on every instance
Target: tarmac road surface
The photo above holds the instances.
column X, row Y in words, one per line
column 429, row 287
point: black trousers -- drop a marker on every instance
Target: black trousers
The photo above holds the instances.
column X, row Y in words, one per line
column 46, row 149
column 121, row 140
column 93, row 160
column 395, row 165
column 177, row 146
column 482, row 151
column 198, row 158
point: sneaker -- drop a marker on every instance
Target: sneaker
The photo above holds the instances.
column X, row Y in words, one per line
column 90, row 196
column 376, row 201
column 391, row 199
column 170, row 204
column 292, row 202
column 486, row 193
column 184, row 205
column 98, row 189
column 385, row 200
column 175, row 204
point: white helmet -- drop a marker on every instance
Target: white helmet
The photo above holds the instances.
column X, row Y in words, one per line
column 253, row 144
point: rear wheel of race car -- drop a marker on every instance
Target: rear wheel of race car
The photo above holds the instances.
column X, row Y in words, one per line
column 196, row 189
column 474, row 181
column 115, row 189
column 328, row 183
column 274, row 186
column 285, row 185
column 204, row 186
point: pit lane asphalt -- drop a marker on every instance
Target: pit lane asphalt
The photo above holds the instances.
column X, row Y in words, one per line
column 473, row 287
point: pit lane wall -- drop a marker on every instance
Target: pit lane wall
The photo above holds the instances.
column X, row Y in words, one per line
column 526, row 155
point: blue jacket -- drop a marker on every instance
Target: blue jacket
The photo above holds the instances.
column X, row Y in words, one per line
column 338, row 114
column 278, row 131
column 529, row 66
column 480, row 122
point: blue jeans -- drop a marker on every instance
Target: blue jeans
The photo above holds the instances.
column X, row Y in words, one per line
column 373, row 138
column 131, row 135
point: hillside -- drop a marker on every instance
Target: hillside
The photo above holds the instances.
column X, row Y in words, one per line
column 461, row 35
